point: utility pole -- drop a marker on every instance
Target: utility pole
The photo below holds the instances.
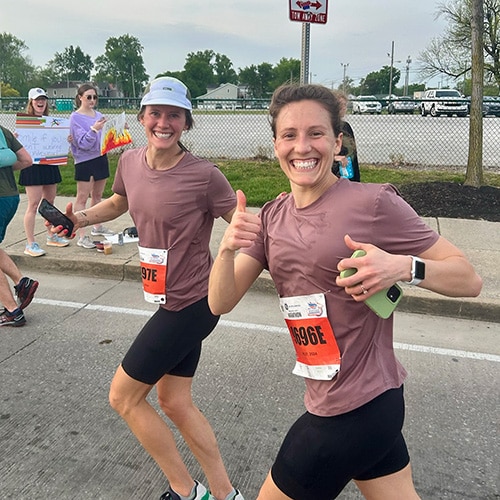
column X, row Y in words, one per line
column 344, row 78
column 407, row 77
column 392, row 65
column 133, row 82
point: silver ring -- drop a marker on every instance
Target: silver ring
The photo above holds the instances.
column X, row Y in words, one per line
column 364, row 290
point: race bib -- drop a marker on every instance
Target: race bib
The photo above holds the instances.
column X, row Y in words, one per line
column 317, row 352
column 154, row 274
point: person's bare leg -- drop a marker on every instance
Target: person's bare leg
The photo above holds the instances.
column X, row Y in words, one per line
column 96, row 191
column 269, row 491
column 8, row 269
column 49, row 193
column 83, row 189
column 34, row 195
column 174, row 396
column 397, row 486
column 128, row 398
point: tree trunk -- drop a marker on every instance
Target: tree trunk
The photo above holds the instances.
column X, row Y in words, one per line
column 474, row 174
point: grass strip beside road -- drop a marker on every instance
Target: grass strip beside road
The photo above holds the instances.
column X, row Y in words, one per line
column 263, row 180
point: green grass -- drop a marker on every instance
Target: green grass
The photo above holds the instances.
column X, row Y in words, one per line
column 263, row 180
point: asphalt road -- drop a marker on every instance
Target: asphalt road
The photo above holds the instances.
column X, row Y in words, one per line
column 60, row 440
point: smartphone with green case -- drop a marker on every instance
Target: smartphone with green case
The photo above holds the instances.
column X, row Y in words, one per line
column 381, row 303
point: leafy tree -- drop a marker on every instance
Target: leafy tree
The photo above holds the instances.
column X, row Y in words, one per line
column 199, row 72
column 8, row 91
column 415, row 87
column 174, row 74
column 224, row 71
column 258, row 79
column 377, row 82
column 450, row 54
column 45, row 77
column 15, row 68
column 123, row 64
column 72, row 64
column 286, row 71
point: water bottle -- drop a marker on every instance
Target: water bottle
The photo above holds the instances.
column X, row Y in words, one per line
column 120, row 239
column 347, row 171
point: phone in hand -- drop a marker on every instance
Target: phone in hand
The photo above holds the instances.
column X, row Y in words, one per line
column 55, row 216
column 383, row 302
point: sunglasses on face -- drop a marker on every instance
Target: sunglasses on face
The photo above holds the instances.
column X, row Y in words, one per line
column 91, row 97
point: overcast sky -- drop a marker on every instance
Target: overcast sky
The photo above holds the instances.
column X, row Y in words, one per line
column 358, row 32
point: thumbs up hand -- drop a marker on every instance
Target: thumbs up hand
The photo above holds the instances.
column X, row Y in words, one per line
column 244, row 226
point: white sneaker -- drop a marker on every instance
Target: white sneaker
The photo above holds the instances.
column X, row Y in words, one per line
column 57, row 241
column 101, row 231
column 85, row 242
column 201, row 493
column 237, row 496
column 34, row 250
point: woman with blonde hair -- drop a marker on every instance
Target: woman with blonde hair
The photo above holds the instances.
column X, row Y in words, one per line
column 39, row 181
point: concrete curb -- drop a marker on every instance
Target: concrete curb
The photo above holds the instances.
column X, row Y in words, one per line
column 415, row 300
column 479, row 240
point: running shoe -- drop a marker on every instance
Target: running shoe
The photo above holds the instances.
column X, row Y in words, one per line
column 14, row 318
column 85, row 242
column 57, row 241
column 25, row 290
column 201, row 493
column 34, row 250
column 237, row 496
column 101, row 231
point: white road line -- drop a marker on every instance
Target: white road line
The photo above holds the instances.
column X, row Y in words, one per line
column 271, row 329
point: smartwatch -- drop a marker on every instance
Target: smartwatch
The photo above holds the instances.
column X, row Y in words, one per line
column 417, row 271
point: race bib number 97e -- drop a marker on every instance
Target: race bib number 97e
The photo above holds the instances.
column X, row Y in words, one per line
column 154, row 274
column 317, row 352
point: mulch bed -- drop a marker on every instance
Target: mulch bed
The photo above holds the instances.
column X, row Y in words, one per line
column 452, row 200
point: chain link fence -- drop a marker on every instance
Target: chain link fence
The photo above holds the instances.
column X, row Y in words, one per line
column 240, row 130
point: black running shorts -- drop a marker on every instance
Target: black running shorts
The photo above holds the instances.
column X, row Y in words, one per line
column 320, row 455
column 170, row 342
column 98, row 168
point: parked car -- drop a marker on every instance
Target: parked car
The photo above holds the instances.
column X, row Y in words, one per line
column 366, row 104
column 491, row 105
column 447, row 102
column 401, row 105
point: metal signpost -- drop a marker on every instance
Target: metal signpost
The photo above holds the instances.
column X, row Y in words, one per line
column 307, row 12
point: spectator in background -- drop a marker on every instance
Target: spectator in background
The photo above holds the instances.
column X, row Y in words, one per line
column 13, row 157
column 91, row 168
column 346, row 161
column 39, row 181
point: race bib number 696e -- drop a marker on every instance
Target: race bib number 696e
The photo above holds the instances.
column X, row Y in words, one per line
column 317, row 352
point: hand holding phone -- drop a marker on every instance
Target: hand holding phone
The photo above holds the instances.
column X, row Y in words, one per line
column 55, row 216
column 383, row 302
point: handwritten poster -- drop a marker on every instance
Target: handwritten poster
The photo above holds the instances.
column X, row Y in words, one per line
column 114, row 134
column 44, row 137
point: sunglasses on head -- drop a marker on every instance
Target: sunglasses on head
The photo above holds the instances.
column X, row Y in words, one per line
column 91, row 97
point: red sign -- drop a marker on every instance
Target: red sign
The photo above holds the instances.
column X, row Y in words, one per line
column 307, row 11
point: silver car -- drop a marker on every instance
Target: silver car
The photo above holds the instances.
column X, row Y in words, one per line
column 401, row 105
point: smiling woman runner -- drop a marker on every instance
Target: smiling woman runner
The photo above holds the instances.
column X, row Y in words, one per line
column 173, row 198
column 354, row 383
